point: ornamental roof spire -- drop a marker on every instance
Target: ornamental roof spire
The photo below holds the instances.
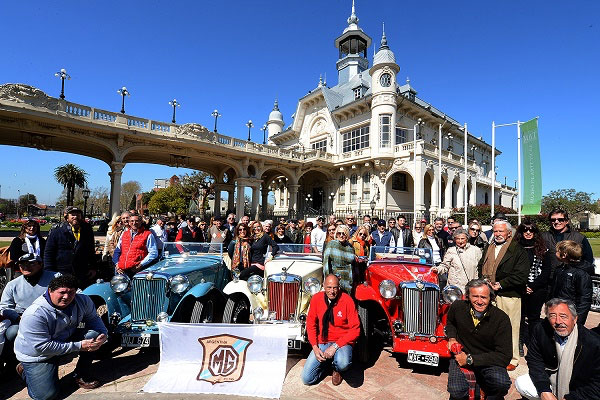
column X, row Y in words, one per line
column 384, row 44
column 353, row 19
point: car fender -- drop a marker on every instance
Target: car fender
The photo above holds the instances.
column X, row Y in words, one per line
column 241, row 287
column 368, row 294
column 119, row 303
column 201, row 290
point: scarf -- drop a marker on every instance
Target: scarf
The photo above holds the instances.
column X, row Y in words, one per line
column 491, row 262
column 328, row 316
column 33, row 244
column 361, row 247
column 241, row 254
column 560, row 380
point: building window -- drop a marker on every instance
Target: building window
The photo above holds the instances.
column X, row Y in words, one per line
column 342, row 184
column 400, row 135
column 366, row 180
column 355, row 139
column 353, row 182
column 341, row 198
column 400, row 182
column 385, row 80
column 384, row 129
column 357, row 93
column 320, row 145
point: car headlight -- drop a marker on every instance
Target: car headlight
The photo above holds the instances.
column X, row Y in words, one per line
column 387, row 288
column 312, row 286
column 179, row 284
column 451, row 293
column 119, row 283
column 255, row 283
column 162, row 317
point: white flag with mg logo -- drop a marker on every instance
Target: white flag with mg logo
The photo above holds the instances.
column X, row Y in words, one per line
column 245, row 360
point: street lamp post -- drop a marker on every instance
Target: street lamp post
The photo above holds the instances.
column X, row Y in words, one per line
column 373, row 203
column 86, row 195
column 416, row 129
column 250, row 125
column 19, row 204
column 264, row 129
column 175, row 104
column 216, row 115
column 331, row 197
column 123, row 92
column 62, row 74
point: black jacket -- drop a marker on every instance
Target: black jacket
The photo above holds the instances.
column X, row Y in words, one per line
column 16, row 247
column 407, row 237
column 543, row 279
column 542, row 361
column 66, row 255
column 259, row 247
column 552, row 238
column 512, row 272
column 424, row 244
column 188, row 236
column 296, row 236
column 490, row 342
column 573, row 282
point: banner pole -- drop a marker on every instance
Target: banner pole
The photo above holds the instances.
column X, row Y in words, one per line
column 466, row 192
column 493, row 166
column 519, row 169
column 439, row 174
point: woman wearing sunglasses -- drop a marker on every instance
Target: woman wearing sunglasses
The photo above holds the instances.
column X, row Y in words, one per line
column 475, row 238
column 528, row 236
column 330, row 235
column 362, row 246
column 338, row 258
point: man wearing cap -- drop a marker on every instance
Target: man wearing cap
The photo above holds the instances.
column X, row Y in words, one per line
column 136, row 249
column 70, row 248
column 383, row 237
column 19, row 294
column 191, row 232
column 293, row 232
column 219, row 234
column 318, row 234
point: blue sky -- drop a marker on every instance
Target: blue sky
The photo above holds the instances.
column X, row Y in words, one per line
column 477, row 61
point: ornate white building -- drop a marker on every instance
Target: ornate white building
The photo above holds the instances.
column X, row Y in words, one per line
column 367, row 122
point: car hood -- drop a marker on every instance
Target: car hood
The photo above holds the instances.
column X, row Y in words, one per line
column 182, row 266
column 402, row 272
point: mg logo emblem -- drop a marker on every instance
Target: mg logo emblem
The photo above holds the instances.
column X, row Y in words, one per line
column 224, row 358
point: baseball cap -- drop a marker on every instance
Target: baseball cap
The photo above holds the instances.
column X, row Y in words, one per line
column 29, row 258
column 381, row 222
column 72, row 210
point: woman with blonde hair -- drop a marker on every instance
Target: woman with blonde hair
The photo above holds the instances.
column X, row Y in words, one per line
column 362, row 247
column 338, row 258
column 432, row 241
column 115, row 228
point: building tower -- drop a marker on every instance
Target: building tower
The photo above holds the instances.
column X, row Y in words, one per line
column 275, row 122
column 383, row 105
column 352, row 45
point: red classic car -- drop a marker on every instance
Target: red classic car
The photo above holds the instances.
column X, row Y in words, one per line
column 400, row 299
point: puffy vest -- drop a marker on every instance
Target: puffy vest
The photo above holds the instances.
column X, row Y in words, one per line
column 187, row 235
column 133, row 251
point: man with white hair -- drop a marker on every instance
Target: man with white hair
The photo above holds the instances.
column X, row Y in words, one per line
column 505, row 265
column 562, row 357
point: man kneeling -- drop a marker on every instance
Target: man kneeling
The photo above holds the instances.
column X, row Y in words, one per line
column 333, row 327
column 480, row 337
column 49, row 329
column 562, row 357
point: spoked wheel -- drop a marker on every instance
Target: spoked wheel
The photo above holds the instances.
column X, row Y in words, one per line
column 596, row 293
column 237, row 311
column 365, row 334
column 203, row 311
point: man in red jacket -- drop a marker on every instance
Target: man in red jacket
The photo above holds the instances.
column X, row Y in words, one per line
column 333, row 327
column 136, row 249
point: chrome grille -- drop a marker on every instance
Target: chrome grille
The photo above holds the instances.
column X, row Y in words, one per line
column 420, row 309
column 147, row 298
column 283, row 292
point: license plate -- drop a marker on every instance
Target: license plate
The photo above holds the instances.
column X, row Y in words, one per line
column 135, row 340
column 294, row 344
column 423, row 357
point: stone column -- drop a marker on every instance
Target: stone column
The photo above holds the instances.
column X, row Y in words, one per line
column 116, row 171
column 434, row 206
column 241, row 188
column 448, row 192
column 460, row 195
column 293, row 203
column 265, row 201
column 419, row 195
column 473, row 197
column 217, row 204
column 255, row 194
column 230, row 199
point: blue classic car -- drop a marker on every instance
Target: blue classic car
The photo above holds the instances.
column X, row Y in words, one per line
column 184, row 286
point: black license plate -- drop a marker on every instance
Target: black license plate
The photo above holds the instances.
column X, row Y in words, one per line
column 135, row 340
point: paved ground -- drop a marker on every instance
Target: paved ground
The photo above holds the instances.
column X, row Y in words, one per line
column 389, row 378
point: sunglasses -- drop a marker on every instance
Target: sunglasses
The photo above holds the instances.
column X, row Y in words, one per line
column 553, row 220
column 528, row 229
column 474, row 230
column 340, row 234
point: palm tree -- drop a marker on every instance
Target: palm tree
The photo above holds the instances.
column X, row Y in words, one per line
column 70, row 175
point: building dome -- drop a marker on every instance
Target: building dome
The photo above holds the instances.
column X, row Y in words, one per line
column 275, row 115
column 384, row 54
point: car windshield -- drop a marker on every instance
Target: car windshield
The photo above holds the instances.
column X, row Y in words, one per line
column 191, row 249
column 304, row 251
column 402, row 255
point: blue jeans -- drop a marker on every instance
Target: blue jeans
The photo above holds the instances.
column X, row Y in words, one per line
column 314, row 369
column 42, row 377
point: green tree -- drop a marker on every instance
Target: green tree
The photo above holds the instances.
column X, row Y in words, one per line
column 25, row 201
column 128, row 191
column 171, row 199
column 198, row 186
column 70, row 175
column 569, row 200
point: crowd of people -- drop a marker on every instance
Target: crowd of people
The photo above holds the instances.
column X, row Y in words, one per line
column 508, row 275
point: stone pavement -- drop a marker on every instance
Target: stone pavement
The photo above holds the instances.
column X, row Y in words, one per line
column 388, row 378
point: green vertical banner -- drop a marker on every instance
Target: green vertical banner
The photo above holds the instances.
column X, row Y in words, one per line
column 532, row 169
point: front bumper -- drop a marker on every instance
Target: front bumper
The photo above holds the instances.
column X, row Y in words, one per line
column 129, row 333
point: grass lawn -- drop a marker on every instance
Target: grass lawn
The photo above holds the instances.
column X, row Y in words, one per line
column 4, row 244
column 595, row 242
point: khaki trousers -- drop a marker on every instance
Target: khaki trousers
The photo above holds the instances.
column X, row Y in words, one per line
column 512, row 307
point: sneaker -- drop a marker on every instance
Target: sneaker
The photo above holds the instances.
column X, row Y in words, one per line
column 19, row 369
column 86, row 383
column 336, row 378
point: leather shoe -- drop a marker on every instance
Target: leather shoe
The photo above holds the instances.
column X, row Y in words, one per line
column 87, row 384
column 336, row 378
column 19, row 369
column 511, row 367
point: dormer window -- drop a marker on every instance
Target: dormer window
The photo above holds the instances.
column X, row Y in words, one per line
column 358, row 93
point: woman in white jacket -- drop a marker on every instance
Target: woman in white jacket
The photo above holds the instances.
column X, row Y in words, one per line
column 460, row 260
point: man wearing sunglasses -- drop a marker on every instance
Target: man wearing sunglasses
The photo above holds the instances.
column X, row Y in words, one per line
column 561, row 230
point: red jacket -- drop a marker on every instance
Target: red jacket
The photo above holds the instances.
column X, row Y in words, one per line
column 346, row 327
column 133, row 251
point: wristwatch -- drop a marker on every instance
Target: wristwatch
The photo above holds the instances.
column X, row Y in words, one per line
column 469, row 359
column 335, row 346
